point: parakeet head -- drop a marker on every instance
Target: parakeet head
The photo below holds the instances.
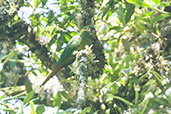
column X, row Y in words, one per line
column 86, row 37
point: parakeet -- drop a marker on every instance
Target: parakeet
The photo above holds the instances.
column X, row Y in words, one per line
column 78, row 42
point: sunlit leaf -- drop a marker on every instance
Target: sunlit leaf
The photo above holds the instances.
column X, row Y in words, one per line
column 156, row 1
column 67, row 37
column 40, row 109
column 138, row 2
column 32, row 107
column 16, row 17
column 122, row 82
column 37, row 3
column 104, row 3
column 2, row 97
column 85, row 110
column 107, row 79
column 57, row 100
column 29, row 96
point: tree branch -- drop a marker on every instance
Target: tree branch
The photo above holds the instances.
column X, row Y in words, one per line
column 88, row 9
column 82, row 77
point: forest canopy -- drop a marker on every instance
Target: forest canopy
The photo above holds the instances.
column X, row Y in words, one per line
column 113, row 56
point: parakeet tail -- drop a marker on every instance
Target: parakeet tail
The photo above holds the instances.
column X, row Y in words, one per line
column 51, row 74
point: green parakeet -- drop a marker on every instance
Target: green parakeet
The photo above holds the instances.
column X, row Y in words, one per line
column 78, row 42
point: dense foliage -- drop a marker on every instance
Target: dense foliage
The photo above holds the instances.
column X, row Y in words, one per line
column 136, row 37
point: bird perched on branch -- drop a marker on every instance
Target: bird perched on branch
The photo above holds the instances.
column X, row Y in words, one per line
column 78, row 42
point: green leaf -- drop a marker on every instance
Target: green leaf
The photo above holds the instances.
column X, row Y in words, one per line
column 157, row 18
column 138, row 2
column 33, row 71
column 36, row 3
column 16, row 17
column 11, row 64
column 114, row 88
column 120, row 13
column 140, row 26
column 119, row 98
column 109, row 14
column 109, row 97
column 2, row 97
column 32, row 107
column 57, row 100
column 104, row 3
column 28, row 86
column 40, row 109
column 86, row 110
column 61, row 41
column 44, row 2
column 156, row 1
column 126, row 44
column 68, row 8
column 158, row 77
column 96, row 112
column 130, row 11
column 52, row 41
column 29, row 96
column 9, row 110
column 51, row 17
column 69, row 111
column 122, row 82
column 67, row 37
column 107, row 79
